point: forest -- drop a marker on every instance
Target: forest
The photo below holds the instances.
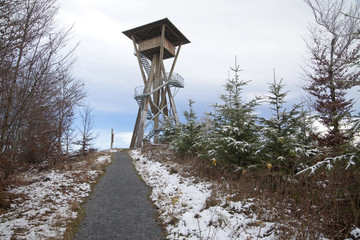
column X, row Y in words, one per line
column 38, row 95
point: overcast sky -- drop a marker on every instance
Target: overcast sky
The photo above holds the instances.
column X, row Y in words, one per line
column 263, row 34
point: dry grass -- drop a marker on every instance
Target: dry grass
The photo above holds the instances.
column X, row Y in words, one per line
column 79, row 169
column 88, row 163
column 73, row 226
column 326, row 203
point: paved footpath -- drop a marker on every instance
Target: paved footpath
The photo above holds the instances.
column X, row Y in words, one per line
column 119, row 207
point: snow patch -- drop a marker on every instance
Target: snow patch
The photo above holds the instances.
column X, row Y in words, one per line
column 47, row 203
column 355, row 233
column 105, row 158
column 182, row 206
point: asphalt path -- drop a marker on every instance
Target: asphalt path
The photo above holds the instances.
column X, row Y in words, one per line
column 119, row 207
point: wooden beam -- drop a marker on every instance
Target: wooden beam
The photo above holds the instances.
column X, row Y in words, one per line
column 158, row 81
column 163, row 101
column 152, row 106
column 172, row 105
column 147, row 88
column 174, row 62
column 171, row 98
column 112, row 139
column 136, row 127
column 143, row 112
column 162, row 42
column 141, row 128
column 139, row 61
column 156, row 96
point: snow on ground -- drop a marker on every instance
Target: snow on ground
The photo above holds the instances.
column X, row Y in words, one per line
column 182, row 206
column 355, row 233
column 48, row 201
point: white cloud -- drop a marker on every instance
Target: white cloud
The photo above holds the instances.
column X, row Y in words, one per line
column 122, row 139
column 103, row 140
column 263, row 34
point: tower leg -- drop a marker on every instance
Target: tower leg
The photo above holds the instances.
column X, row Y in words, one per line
column 136, row 127
column 143, row 111
column 172, row 105
column 141, row 128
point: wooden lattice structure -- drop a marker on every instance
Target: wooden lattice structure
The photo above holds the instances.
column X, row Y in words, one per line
column 153, row 43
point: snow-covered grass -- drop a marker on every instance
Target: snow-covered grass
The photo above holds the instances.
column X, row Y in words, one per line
column 46, row 203
column 196, row 201
column 186, row 211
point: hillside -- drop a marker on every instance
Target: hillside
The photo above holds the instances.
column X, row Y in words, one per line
column 198, row 201
column 47, row 204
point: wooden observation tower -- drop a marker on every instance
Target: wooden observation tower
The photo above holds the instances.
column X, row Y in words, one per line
column 153, row 43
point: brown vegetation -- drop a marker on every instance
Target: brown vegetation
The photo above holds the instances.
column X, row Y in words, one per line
column 307, row 206
column 81, row 170
column 37, row 92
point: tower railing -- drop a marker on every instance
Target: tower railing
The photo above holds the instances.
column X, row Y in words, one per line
column 176, row 80
column 139, row 92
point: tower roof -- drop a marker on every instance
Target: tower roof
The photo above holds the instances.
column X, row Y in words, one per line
column 151, row 30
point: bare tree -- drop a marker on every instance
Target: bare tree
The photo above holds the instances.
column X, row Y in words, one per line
column 69, row 94
column 334, row 50
column 87, row 137
column 37, row 93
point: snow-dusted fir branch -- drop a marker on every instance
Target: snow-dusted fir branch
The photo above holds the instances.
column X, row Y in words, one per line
column 329, row 163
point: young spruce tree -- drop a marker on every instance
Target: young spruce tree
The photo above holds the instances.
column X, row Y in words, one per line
column 186, row 138
column 284, row 133
column 234, row 135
